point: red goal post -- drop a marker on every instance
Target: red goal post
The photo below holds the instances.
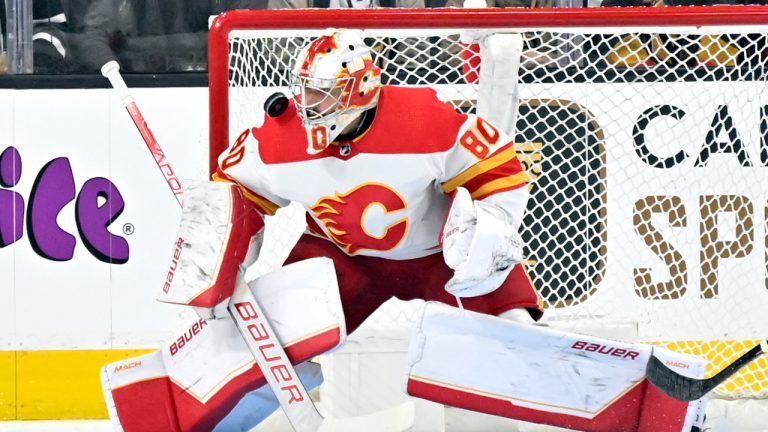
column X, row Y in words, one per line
column 645, row 135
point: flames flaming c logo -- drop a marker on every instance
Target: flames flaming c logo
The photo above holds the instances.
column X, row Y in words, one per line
column 343, row 217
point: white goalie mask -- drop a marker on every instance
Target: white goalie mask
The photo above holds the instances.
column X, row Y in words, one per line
column 335, row 81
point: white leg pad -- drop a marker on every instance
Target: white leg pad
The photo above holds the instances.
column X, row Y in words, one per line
column 541, row 375
column 198, row 378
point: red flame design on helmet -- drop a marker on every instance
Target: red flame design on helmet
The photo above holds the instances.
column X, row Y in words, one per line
column 364, row 89
column 322, row 46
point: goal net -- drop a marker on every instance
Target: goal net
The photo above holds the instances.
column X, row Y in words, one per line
column 646, row 145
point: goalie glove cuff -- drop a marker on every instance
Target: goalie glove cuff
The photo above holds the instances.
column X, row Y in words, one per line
column 481, row 244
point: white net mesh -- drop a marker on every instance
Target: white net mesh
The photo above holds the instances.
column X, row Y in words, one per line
column 647, row 155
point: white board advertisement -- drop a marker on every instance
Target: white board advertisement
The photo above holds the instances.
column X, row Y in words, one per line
column 99, row 221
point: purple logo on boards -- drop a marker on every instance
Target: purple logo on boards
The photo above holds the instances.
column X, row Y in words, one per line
column 97, row 205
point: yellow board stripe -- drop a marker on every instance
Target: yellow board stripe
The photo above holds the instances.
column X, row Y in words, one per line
column 42, row 385
column 7, row 385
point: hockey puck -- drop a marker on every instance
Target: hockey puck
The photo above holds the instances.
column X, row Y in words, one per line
column 276, row 104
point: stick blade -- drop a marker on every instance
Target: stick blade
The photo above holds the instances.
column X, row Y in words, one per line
column 689, row 389
column 672, row 383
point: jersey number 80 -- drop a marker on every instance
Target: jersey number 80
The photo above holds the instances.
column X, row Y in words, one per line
column 479, row 138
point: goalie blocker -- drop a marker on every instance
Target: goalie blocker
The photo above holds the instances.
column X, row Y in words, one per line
column 218, row 229
column 536, row 374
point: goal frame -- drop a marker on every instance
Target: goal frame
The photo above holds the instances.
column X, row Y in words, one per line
column 445, row 18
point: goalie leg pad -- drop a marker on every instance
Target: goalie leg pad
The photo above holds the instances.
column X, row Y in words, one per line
column 154, row 402
column 217, row 224
column 541, row 375
column 196, row 381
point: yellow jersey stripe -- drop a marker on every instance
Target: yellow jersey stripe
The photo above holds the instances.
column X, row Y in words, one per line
column 499, row 184
column 481, row 167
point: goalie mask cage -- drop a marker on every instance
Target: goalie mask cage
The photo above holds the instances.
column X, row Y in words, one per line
column 645, row 136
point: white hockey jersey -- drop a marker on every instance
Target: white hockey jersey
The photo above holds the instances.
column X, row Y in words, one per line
column 386, row 192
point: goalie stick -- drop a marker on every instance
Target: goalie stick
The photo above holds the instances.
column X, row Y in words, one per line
column 249, row 318
column 111, row 70
column 689, row 389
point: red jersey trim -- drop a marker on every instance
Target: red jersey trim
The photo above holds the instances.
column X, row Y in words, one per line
column 409, row 120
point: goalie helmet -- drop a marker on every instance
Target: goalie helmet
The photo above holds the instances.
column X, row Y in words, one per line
column 335, row 81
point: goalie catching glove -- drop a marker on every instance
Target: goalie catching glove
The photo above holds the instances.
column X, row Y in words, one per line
column 480, row 243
